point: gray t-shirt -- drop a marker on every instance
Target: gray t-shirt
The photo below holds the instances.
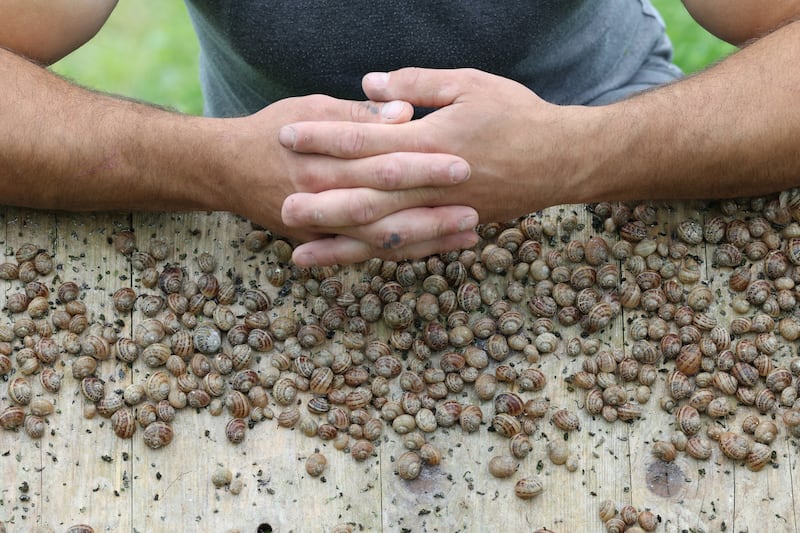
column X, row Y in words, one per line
column 567, row 51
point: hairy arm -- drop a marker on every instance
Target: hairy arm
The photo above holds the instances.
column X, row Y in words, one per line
column 729, row 131
column 64, row 147
column 67, row 148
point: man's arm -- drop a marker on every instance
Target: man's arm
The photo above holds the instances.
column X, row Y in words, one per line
column 47, row 30
column 64, row 147
column 740, row 21
column 729, row 131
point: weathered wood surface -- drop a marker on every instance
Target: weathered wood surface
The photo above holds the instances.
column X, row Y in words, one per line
column 80, row 472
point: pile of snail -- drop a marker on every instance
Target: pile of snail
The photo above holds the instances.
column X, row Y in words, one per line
column 343, row 354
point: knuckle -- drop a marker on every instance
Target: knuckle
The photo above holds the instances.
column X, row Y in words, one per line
column 304, row 181
column 352, row 142
column 291, row 212
column 319, row 101
column 362, row 209
column 389, row 173
column 362, row 111
column 412, row 74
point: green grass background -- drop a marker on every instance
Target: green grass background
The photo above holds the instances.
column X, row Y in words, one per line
column 147, row 50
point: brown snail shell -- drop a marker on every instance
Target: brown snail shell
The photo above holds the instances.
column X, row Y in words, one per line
column 12, row 417
column 123, row 423
column 470, row 418
column 316, row 464
column 409, row 465
column 502, row 466
column 362, row 449
column 566, row 420
column 158, row 434
column 528, row 487
column 235, row 430
column 734, row 446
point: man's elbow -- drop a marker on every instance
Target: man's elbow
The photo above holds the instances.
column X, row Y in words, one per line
column 47, row 31
column 739, row 22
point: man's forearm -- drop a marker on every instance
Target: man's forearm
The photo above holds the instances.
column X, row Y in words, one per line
column 64, row 147
column 730, row 131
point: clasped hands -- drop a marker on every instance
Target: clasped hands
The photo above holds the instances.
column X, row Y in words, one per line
column 423, row 185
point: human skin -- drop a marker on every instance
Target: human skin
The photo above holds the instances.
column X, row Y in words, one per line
column 729, row 131
column 64, row 147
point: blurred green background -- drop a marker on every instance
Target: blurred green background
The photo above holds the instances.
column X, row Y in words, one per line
column 148, row 51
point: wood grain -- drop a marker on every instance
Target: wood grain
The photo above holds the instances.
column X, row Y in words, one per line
column 81, row 473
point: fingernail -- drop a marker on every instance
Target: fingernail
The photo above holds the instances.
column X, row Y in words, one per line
column 468, row 222
column 459, row 172
column 392, row 109
column 287, row 136
column 378, row 79
column 304, row 259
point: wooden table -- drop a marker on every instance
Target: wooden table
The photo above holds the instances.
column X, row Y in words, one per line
column 80, row 472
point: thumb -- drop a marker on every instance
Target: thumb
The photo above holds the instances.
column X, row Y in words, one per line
column 419, row 86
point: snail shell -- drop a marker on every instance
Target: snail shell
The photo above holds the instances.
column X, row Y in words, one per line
column 244, row 380
column 698, row 448
column 197, row 398
column 109, row 404
column 557, row 452
column 519, row 446
column 157, row 386
column 289, row 417
column 123, row 423
column 316, row 464
column 49, row 378
column 688, row 419
column 502, row 466
column 734, row 446
column 20, row 391
column 528, row 487
column 93, row 389
column 430, row 454
column 126, row 350
column 690, row 231
column 158, row 434
column 468, row 297
column 362, row 449
column 260, row 340
column 765, row 432
column 148, row 331
column 207, row 339
column 409, row 465
column 508, row 402
column 606, row 510
column 156, row 354
column 665, row 451
column 238, row 404
column 12, row 417
column 235, row 430
column 565, row 420
column 470, row 418
column 397, row 315
column 506, row 425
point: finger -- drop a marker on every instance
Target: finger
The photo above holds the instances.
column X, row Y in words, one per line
column 343, row 250
column 410, row 226
column 405, row 170
column 390, row 112
column 339, row 208
column 350, row 140
column 420, row 86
